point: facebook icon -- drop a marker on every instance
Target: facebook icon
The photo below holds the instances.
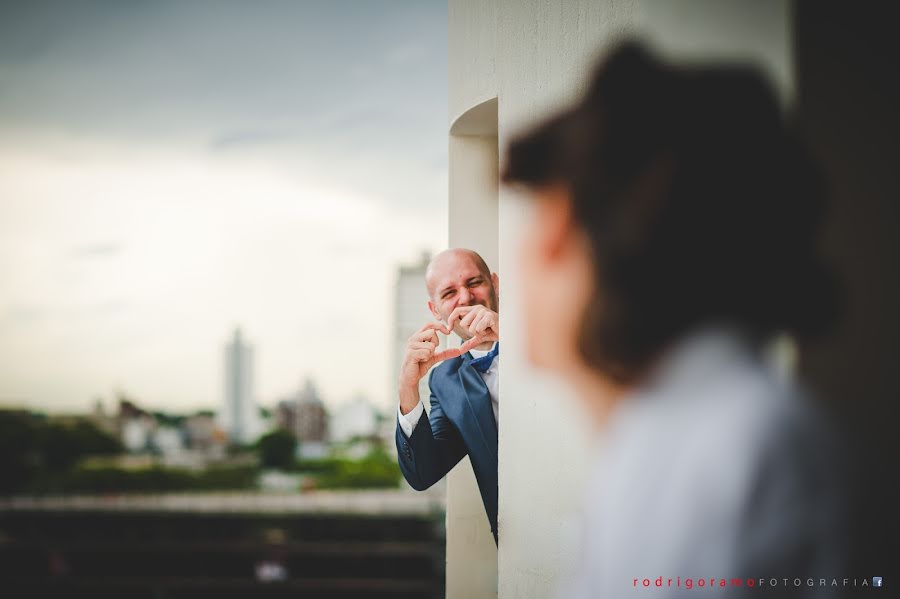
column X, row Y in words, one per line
column 876, row 581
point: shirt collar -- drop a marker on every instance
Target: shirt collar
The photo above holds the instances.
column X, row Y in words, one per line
column 479, row 353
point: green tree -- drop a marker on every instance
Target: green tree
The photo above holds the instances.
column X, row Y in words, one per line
column 20, row 455
column 64, row 444
column 277, row 449
column 34, row 447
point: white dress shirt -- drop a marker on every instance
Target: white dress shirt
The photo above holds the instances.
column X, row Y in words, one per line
column 491, row 378
column 715, row 468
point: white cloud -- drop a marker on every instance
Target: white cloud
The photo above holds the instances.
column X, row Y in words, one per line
column 208, row 244
column 169, row 171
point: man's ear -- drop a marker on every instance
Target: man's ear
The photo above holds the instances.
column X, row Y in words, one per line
column 495, row 281
column 434, row 312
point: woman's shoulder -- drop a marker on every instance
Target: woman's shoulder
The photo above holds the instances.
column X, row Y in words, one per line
column 731, row 467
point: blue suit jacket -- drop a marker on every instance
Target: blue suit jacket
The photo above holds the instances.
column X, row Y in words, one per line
column 461, row 423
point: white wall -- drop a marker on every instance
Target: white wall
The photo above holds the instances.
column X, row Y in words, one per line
column 473, row 221
column 544, row 49
column 758, row 32
column 531, row 55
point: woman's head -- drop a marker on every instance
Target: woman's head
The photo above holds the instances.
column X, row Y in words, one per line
column 666, row 198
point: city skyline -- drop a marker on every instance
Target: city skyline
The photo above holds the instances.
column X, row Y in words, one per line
column 263, row 169
column 108, row 399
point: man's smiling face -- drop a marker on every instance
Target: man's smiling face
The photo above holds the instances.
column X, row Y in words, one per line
column 457, row 278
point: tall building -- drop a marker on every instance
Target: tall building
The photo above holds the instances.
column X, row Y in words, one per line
column 304, row 414
column 312, row 418
column 286, row 415
column 410, row 313
column 239, row 416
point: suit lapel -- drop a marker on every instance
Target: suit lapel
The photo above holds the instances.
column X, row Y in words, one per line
column 479, row 401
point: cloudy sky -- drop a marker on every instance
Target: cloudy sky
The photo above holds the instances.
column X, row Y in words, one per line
column 169, row 171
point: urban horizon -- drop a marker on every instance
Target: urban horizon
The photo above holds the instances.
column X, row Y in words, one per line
column 110, row 399
column 251, row 171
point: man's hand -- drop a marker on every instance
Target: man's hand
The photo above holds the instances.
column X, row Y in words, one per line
column 421, row 354
column 475, row 322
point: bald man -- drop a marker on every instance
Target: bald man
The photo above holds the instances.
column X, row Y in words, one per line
column 464, row 386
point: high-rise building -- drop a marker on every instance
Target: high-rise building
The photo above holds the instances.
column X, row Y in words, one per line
column 410, row 313
column 286, row 415
column 303, row 413
column 312, row 418
column 239, row 415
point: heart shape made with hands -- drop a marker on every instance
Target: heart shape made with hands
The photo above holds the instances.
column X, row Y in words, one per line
column 440, row 329
column 474, row 320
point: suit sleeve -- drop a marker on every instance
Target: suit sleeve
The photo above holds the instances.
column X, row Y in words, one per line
column 432, row 450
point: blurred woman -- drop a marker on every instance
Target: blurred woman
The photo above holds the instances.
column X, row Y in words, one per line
column 672, row 238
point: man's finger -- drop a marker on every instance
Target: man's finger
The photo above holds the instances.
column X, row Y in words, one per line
column 471, row 344
column 489, row 335
column 473, row 326
column 422, row 345
column 427, row 335
column 421, row 355
column 467, row 320
column 452, row 352
column 484, row 323
column 427, row 332
column 436, row 325
column 457, row 313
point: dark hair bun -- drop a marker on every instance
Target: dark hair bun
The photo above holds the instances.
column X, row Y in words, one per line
column 699, row 202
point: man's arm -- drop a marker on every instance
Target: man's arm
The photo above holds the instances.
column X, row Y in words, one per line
column 409, row 421
column 432, row 450
column 433, row 446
